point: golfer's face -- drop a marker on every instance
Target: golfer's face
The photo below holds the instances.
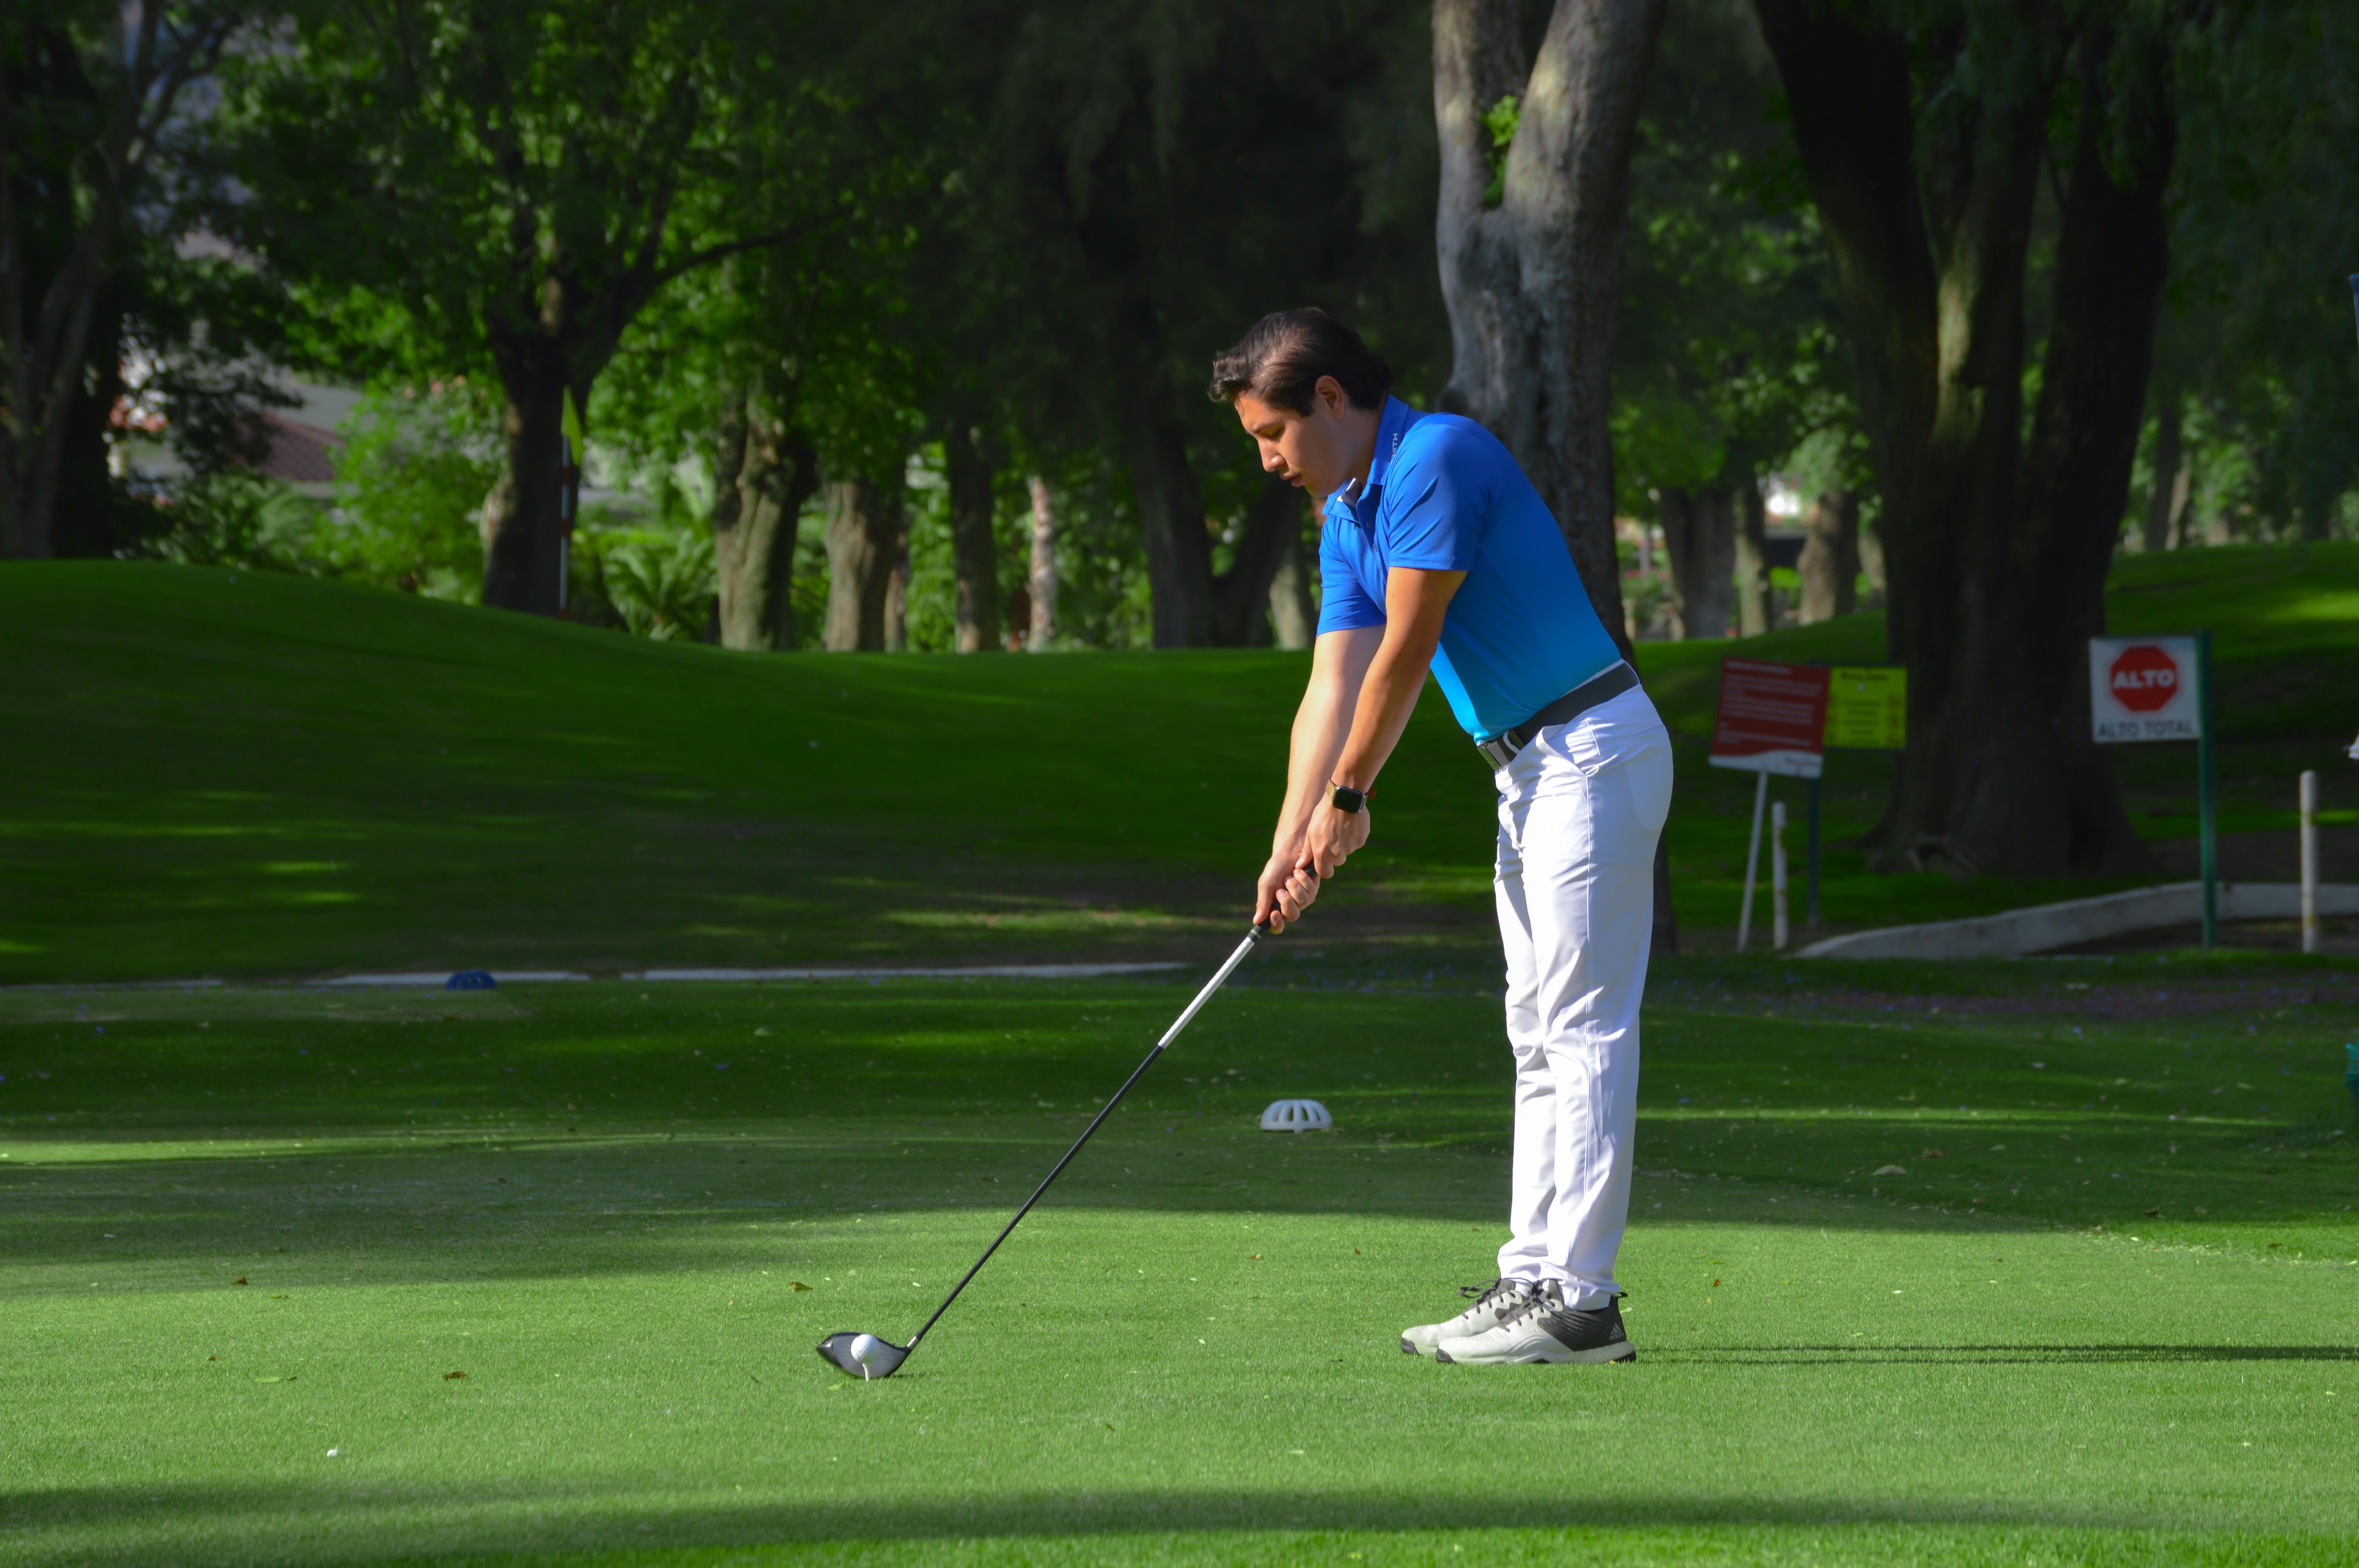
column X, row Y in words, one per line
column 1291, row 445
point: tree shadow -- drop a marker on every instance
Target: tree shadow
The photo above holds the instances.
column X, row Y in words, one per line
column 1997, row 1355
column 244, row 1523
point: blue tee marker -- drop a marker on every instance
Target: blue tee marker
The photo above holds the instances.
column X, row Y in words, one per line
column 471, row 980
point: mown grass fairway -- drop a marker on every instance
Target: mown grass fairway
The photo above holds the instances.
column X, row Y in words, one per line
column 239, row 773
column 306, row 1275
column 2104, row 1316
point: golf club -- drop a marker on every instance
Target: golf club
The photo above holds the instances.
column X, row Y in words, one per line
column 873, row 1355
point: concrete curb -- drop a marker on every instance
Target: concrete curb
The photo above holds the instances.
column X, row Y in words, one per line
column 984, row 972
column 436, row 979
column 2045, row 927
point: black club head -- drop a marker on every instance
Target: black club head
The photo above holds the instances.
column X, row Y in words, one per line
column 884, row 1356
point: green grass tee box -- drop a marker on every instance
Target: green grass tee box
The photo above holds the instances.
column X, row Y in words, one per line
column 533, row 1275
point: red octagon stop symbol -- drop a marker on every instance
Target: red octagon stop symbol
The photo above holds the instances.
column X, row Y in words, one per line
column 2143, row 679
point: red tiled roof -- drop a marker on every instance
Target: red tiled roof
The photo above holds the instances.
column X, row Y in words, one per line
column 298, row 452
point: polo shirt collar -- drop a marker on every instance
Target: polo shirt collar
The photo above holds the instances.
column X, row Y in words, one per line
column 1357, row 500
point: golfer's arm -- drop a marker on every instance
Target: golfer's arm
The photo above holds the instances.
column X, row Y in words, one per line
column 1415, row 602
column 1339, row 663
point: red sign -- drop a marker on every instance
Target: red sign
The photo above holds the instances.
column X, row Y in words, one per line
column 2143, row 679
column 1772, row 717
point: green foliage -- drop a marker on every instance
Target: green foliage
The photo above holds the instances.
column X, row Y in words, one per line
column 2257, row 338
column 403, row 160
column 233, row 517
column 653, row 578
column 1103, row 218
column 659, row 582
column 410, row 484
column 1500, row 119
column 1727, row 357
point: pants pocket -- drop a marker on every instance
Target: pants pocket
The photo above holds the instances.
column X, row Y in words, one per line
column 1617, row 731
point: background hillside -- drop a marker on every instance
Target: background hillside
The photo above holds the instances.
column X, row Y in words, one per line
column 249, row 773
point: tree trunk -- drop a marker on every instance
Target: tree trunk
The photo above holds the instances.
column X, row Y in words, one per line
column 2162, row 495
column 1829, row 564
column 896, row 597
column 1242, row 595
column 975, row 553
column 1756, row 611
column 1928, row 262
column 864, row 541
column 1995, row 551
column 97, row 182
column 1664, row 942
column 523, row 543
column 1171, row 516
column 2113, row 254
column 1293, row 608
column 45, row 373
column 1871, row 567
column 1042, row 632
column 2218, row 528
column 1194, row 608
column 763, row 475
column 1532, row 284
column 1699, row 546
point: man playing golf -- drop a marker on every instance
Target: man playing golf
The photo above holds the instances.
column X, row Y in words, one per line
column 1435, row 552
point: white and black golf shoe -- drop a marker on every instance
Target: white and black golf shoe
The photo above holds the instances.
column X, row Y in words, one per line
column 1493, row 1302
column 1541, row 1327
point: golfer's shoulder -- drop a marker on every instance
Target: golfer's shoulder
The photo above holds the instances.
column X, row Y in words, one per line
column 1447, row 438
column 1454, row 448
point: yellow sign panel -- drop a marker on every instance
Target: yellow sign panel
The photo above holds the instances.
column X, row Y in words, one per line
column 1867, row 708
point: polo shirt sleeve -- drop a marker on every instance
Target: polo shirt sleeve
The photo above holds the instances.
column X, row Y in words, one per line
column 1436, row 501
column 1345, row 604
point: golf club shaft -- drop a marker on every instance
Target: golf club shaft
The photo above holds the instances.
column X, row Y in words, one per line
column 1170, row 1035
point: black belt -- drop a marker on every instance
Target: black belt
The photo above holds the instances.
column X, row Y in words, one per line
column 1571, row 705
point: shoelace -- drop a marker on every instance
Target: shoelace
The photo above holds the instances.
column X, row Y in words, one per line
column 1483, row 1296
column 1532, row 1305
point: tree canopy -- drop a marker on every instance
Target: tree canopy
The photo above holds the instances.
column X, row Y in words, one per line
column 882, row 324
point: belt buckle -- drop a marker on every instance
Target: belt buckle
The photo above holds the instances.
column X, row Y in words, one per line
column 1501, row 750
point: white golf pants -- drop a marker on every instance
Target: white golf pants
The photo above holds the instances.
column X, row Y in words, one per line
column 1580, row 810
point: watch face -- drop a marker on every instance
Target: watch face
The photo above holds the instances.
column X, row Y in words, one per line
column 1347, row 799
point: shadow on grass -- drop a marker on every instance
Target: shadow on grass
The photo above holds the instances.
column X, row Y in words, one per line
column 2000, row 1354
column 235, row 1523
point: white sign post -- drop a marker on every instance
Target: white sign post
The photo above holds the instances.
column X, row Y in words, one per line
column 2159, row 689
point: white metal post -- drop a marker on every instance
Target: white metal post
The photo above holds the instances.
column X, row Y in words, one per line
column 2309, row 862
column 1752, row 864
column 1778, row 876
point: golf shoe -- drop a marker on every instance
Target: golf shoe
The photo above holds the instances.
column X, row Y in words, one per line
column 1493, row 1302
column 1541, row 1327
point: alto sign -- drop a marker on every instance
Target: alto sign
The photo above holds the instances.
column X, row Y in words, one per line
column 2159, row 689
column 2143, row 688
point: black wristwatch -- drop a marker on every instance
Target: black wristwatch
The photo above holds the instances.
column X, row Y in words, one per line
column 1346, row 798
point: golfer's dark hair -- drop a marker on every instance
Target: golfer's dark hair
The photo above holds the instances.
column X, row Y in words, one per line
column 1281, row 359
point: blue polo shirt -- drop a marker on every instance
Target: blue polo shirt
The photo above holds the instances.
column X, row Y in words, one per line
column 1444, row 495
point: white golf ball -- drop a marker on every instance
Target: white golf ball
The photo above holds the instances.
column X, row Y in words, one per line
column 864, row 1348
